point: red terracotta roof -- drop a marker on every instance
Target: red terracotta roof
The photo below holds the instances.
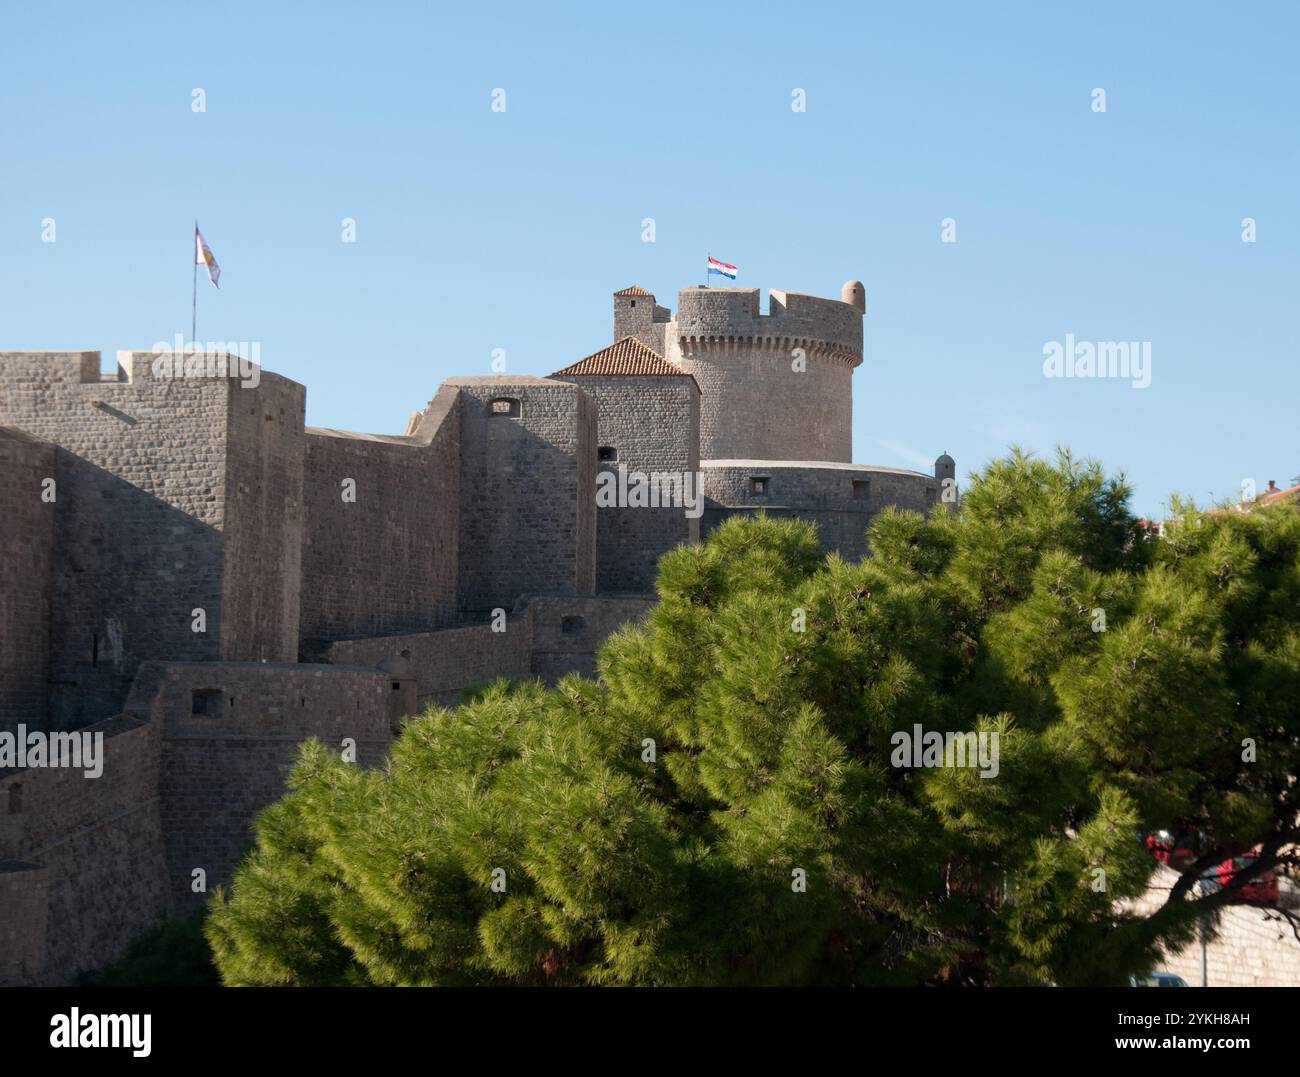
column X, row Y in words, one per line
column 1269, row 496
column 627, row 356
column 633, row 289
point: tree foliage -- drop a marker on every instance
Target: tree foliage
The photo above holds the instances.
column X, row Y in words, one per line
column 652, row 826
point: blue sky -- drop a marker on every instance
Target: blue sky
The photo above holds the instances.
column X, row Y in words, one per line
column 479, row 230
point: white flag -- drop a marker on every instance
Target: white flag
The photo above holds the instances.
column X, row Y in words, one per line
column 203, row 256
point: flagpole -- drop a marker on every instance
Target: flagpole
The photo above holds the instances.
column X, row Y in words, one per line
column 194, row 295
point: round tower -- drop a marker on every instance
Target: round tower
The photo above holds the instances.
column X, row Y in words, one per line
column 775, row 386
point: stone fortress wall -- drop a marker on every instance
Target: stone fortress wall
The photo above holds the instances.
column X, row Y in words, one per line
column 213, row 581
column 840, row 499
column 640, row 432
column 26, row 572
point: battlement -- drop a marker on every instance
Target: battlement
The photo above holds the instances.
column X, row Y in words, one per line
column 43, row 369
column 828, row 327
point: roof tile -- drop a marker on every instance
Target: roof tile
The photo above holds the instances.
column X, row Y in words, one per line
column 627, row 356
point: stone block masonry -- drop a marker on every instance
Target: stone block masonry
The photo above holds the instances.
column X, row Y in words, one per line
column 447, row 663
column 1246, row 947
column 528, row 467
column 775, row 385
column 841, row 499
column 384, row 560
column 169, row 492
column 230, row 733
column 647, row 425
column 90, row 850
column 544, row 637
column 26, row 567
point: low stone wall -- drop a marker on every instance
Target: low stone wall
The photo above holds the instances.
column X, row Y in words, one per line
column 542, row 637
column 448, row 662
column 567, row 633
column 840, row 499
column 230, row 734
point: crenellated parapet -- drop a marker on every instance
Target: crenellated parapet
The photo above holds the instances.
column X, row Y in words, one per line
column 825, row 328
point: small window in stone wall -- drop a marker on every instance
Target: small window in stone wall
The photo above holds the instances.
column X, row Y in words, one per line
column 206, row 703
column 861, row 489
column 572, row 625
column 504, row 406
column 607, row 454
column 632, row 304
column 931, row 494
column 758, row 485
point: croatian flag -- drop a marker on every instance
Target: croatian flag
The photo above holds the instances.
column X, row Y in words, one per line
column 722, row 269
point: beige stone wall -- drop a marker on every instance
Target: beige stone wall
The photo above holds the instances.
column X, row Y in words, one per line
column 1249, row 946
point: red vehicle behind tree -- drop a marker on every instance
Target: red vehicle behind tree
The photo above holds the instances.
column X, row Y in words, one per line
column 1262, row 888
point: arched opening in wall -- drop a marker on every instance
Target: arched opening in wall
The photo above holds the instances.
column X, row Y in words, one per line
column 607, row 454
column 206, row 703
column 504, row 407
column 572, row 625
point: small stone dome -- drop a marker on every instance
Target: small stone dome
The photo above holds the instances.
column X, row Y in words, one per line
column 945, row 467
column 854, row 293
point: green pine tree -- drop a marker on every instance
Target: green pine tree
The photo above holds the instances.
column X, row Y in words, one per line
column 719, row 805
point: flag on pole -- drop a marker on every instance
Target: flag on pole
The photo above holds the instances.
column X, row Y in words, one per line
column 722, row 269
column 203, row 256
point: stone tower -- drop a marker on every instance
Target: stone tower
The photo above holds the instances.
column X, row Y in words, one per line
column 775, row 386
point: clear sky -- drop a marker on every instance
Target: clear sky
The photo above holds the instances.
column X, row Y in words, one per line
column 478, row 230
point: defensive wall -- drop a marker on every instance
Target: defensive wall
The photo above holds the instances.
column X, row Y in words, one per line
column 841, row 499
